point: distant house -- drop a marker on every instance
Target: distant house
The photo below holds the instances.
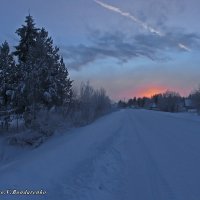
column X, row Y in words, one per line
column 189, row 106
column 152, row 106
column 134, row 106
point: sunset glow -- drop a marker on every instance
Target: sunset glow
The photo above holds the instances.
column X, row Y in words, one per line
column 149, row 92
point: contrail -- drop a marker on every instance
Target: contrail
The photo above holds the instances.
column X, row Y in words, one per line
column 130, row 16
column 136, row 20
column 182, row 46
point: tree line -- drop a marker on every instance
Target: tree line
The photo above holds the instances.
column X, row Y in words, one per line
column 34, row 78
column 168, row 101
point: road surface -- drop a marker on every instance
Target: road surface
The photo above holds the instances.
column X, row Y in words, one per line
column 126, row 155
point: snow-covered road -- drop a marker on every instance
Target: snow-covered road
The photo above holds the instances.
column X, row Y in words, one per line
column 127, row 155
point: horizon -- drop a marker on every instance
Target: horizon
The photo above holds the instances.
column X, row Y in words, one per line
column 132, row 48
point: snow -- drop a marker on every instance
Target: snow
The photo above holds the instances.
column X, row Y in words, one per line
column 126, row 155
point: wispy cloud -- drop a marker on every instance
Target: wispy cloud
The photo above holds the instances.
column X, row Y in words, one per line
column 138, row 21
column 117, row 45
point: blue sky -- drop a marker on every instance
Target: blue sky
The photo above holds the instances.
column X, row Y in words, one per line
column 130, row 48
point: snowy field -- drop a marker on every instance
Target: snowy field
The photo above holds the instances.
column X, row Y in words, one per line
column 126, row 155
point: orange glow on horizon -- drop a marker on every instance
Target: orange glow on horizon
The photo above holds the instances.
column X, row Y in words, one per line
column 151, row 91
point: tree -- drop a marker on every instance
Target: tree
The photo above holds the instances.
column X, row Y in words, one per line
column 46, row 79
column 135, row 101
column 155, row 98
column 195, row 96
column 142, row 101
column 7, row 75
column 122, row 104
column 64, row 85
column 28, row 34
column 169, row 101
column 130, row 102
column 53, row 86
column 102, row 102
column 89, row 104
column 8, row 82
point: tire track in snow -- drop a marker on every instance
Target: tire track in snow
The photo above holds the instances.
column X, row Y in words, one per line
column 160, row 188
column 97, row 177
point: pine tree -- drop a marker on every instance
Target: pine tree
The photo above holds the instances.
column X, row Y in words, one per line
column 7, row 75
column 48, row 70
column 43, row 80
column 28, row 34
column 47, row 81
column 8, row 82
column 64, row 85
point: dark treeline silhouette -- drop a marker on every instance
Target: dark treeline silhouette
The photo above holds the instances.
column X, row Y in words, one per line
column 35, row 85
column 169, row 101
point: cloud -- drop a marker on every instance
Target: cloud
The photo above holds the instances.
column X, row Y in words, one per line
column 178, row 41
column 138, row 21
column 152, row 44
column 123, row 48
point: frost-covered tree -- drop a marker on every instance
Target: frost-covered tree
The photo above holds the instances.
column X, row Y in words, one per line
column 103, row 103
column 52, row 86
column 64, row 84
column 46, row 79
column 43, row 79
column 87, row 100
column 27, row 34
column 89, row 104
column 8, row 83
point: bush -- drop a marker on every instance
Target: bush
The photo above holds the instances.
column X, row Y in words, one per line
column 89, row 105
column 27, row 138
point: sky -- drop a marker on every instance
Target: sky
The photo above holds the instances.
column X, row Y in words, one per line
column 129, row 47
